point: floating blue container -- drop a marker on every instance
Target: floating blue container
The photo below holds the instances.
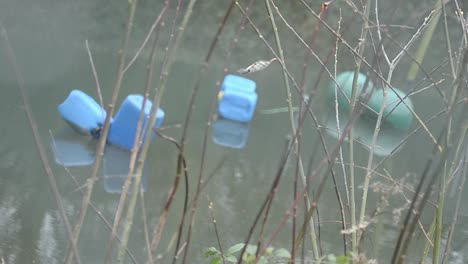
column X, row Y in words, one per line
column 123, row 129
column 230, row 134
column 115, row 170
column 70, row 150
column 237, row 99
column 82, row 113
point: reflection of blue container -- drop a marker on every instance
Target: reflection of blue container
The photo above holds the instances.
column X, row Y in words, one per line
column 82, row 113
column 230, row 134
column 123, row 129
column 237, row 98
column 115, row 168
column 70, row 150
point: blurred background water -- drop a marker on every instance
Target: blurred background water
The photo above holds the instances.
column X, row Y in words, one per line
column 48, row 38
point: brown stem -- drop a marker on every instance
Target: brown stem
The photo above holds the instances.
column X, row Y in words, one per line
column 187, row 119
column 40, row 147
column 136, row 144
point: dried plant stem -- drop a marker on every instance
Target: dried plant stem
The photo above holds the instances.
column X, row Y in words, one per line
column 195, row 89
column 137, row 141
column 271, row 193
column 457, row 82
column 181, row 166
column 185, row 207
column 447, row 37
column 426, row 38
column 357, row 68
column 215, row 226
column 156, row 25
column 291, row 118
column 327, row 159
column 145, row 228
column 407, row 230
column 429, row 244
column 417, row 205
column 159, row 91
column 102, row 141
column 399, row 56
column 341, row 158
column 307, row 59
column 322, row 180
column 95, row 75
column 392, row 65
column 93, row 207
column 439, row 214
column 263, row 225
column 40, row 147
column 464, row 164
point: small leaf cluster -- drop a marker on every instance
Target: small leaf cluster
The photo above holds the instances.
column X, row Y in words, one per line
column 248, row 257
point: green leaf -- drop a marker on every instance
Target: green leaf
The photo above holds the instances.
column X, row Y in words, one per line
column 235, row 248
column 282, row 253
column 216, row 260
column 269, row 251
column 231, row 259
column 331, row 259
column 251, row 249
column 262, row 260
column 343, row 260
column 211, row 251
column 248, row 258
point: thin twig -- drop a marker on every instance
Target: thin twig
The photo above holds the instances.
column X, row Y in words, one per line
column 215, row 226
column 40, row 147
column 195, row 90
column 91, row 204
column 95, row 75
column 105, row 130
column 137, row 139
column 464, row 163
column 148, row 36
column 268, row 4
column 181, row 166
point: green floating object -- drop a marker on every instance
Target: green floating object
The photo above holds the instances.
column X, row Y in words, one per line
column 345, row 80
column 396, row 113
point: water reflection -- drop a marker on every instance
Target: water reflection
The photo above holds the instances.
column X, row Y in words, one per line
column 10, row 228
column 230, row 134
column 71, row 149
column 115, row 164
column 47, row 245
column 387, row 141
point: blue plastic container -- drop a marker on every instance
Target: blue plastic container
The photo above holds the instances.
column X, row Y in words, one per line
column 231, row 134
column 123, row 129
column 115, row 170
column 237, row 99
column 82, row 113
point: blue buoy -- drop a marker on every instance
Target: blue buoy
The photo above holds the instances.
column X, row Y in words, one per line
column 82, row 113
column 123, row 129
column 230, row 134
column 237, row 99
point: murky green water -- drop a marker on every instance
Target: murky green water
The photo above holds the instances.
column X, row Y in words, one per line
column 49, row 41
